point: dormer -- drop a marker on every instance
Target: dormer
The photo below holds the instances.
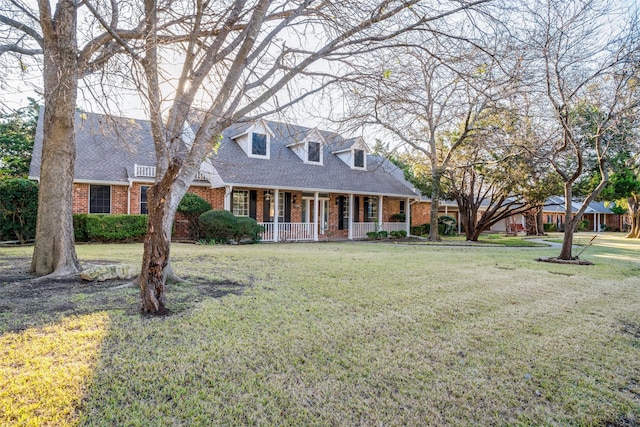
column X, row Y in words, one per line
column 355, row 156
column 310, row 149
column 255, row 140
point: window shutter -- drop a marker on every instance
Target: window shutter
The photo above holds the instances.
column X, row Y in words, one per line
column 253, row 197
column 287, row 207
column 340, row 209
column 366, row 210
column 266, row 207
column 356, row 209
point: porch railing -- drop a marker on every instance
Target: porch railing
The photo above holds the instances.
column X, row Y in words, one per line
column 150, row 172
column 287, row 231
column 300, row 231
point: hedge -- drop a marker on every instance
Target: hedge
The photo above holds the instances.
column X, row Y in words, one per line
column 18, row 209
column 109, row 228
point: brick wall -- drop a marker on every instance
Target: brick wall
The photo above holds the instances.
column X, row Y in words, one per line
column 119, row 202
column 420, row 213
column 80, row 198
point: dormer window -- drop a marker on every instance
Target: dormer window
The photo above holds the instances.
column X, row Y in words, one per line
column 358, row 158
column 259, row 144
column 313, row 152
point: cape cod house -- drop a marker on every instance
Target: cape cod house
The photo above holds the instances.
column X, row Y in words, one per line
column 299, row 183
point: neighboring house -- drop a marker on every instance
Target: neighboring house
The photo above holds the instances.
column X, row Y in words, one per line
column 597, row 215
column 299, row 183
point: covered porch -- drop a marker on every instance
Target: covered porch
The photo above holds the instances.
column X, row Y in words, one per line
column 293, row 216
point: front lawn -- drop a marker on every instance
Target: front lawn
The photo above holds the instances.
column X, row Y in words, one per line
column 330, row 334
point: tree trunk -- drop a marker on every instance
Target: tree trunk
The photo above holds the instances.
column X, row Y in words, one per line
column 540, row 221
column 530, row 218
column 634, row 214
column 54, row 251
column 570, row 224
column 164, row 197
column 435, row 202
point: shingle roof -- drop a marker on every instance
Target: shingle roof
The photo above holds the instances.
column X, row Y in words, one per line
column 556, row 204
column 108, row 148
column 286, row 170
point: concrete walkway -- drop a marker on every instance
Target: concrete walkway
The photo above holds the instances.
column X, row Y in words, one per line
column 553, row 245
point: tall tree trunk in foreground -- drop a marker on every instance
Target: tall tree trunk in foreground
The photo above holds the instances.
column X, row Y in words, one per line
column 54, row 251
column 634, row 214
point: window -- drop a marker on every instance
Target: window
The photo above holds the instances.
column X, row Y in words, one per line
column 259, row 144
column 372, row 209
column 358, row 158
column 401, row 210
column 100, row 199
column 281, row 206
column 313, row 154
column 144, row 209
column 241, row 203
column 345, row 212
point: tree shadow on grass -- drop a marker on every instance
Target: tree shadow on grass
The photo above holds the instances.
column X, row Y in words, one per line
column 27, row 303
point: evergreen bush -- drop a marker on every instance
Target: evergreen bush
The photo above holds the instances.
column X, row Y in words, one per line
column 247, row 228
column 18, row 209
column 116, row 228
column 218, row 225
column 192, row 206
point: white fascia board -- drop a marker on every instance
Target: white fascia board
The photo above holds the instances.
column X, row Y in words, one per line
column 95, row 182
column 320, row 190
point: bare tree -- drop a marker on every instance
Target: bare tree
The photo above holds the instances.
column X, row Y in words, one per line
column 47, row 34
column 239, row 62
column 584, row 50
column 421, row 92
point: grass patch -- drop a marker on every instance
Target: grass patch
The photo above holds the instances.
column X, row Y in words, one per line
column 336, row 334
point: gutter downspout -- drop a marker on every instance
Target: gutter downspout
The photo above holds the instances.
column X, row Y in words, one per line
column 407, row 214
column 129, row 196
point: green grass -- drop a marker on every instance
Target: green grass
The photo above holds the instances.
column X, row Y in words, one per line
column 332, row 334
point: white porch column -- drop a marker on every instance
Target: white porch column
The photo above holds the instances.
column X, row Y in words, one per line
column 407, row 216
column 380, row 212
column 596, row 220
column 228, row 189
column 350, row 232
column 446, row 210
column 276, row 206
column 316, row 215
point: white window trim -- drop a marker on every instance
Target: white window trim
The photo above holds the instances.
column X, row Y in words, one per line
column 364, row 159
column 306, row 151
column 250, row 148
column 246, row 192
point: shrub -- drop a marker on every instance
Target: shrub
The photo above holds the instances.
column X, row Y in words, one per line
column 80, row 227
column 218, row 225
column 373, row 235
column 398, row 217
column 382, row 234
column 116, row 228
column 398, row 234
column 192, row 206
column 418, row 230
column 18, row 209
column 549, row 226
column 448, row 224
column 247, row 228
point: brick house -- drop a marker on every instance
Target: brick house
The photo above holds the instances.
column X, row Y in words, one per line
column 299, row 183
